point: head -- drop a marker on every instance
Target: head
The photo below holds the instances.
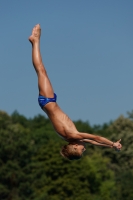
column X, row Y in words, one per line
column 73, row 151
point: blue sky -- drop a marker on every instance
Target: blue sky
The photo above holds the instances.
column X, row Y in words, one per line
column 87, row 48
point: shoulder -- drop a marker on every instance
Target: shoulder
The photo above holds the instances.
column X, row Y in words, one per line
column 74, row 136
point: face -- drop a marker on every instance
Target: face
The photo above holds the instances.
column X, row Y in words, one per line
column 80, row 147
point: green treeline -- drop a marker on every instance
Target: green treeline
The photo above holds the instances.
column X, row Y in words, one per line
column 31, row 167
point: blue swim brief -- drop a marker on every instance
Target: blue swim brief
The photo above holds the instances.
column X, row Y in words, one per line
column 44, row 100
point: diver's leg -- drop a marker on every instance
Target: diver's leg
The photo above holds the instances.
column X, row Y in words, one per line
column 44, row 84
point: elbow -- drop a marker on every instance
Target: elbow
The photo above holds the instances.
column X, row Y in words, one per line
column 97, row 138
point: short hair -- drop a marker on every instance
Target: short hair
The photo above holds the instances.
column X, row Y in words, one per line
column 68, row 151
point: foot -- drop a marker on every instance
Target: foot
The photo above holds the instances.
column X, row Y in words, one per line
column 36, row 33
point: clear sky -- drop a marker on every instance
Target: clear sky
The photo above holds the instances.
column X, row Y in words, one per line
column 87, row 48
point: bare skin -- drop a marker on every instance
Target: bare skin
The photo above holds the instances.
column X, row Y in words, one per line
column 62, row 124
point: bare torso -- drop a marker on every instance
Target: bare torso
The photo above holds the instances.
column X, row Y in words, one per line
column 62, row 124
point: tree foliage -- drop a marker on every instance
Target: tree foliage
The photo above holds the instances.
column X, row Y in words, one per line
column 31, row 167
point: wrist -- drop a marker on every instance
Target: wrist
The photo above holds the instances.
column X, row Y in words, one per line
column 112, row 146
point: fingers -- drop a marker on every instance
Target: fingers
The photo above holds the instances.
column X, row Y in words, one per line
column 119, row 140
column 119, row 146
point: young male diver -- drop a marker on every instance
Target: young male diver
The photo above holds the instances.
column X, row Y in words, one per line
column 62, row 124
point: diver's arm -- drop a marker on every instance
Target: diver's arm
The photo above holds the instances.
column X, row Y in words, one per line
column 99, row 139
column 96, row 138
column 96, row 143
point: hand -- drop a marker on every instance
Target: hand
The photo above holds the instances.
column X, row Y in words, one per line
column 117, row 146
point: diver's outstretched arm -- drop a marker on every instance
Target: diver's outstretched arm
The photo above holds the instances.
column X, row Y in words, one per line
column 96, row 143
column 98, row 139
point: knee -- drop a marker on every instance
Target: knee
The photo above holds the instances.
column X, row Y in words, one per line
column 41, row 71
